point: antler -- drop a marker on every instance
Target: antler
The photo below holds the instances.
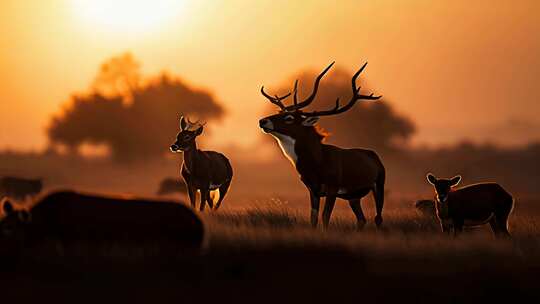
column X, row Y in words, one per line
column 187, row 124
column 355, row 97
column 307, row 101
column 276, row 100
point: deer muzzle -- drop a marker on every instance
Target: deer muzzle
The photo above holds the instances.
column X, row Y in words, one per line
column 266, row 125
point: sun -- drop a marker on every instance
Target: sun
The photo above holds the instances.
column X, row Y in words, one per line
column 127, row 16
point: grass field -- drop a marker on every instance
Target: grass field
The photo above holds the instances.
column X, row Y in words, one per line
column 267, row 252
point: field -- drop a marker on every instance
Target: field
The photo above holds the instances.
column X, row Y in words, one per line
column 267, row 252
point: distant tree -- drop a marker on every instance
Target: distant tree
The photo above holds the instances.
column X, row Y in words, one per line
column 139, row 129
column 372, row 124
column 118, row 76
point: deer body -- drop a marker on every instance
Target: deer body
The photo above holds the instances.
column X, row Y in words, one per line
column 326, row 170
column 203, row 171
column 70, row 216
column 472, row 205
column 330, row 172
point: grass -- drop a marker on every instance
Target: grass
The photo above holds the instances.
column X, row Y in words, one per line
column 267, row 252
column 404, row 230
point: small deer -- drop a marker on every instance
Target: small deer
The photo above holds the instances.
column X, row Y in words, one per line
column 203, row 171
column 326, row 170
column 471, row 205
column 171, row 185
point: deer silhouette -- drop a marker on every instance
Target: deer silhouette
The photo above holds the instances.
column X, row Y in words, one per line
column 471, row 205
column 326, row 170
column 203, row 171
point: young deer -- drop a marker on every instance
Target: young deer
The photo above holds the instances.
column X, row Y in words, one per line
column 326, row 170
column 205, row 171
column 471, row 205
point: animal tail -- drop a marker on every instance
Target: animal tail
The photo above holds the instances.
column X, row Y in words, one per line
column 214, row 196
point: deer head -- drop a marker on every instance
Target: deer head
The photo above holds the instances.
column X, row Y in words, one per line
column 13, row 219
column 186, row 137
column 443, row 185
column 293, row 122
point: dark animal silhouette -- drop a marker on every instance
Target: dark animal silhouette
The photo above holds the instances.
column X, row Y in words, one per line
column 326, row 170
column 171, row 185
column 471, row 205
column 205, row 171
column 19, row 188
column 425, row 207
column 70, row 216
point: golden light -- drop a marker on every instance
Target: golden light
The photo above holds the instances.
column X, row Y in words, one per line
column 127, row 16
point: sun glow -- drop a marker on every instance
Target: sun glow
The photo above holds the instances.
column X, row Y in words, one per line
column 127, row 16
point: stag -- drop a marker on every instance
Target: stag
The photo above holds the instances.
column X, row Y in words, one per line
column 204, row 171
column 326, row 170
column 471, row 205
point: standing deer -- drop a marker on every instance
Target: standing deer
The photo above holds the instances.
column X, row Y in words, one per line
column 471, row 205
column 326, row 170
column 203, row 171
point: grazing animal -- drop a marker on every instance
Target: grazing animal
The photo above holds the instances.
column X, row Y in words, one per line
column 171, row 185
column 71, row 216
column 471, row 205
column 203, row 171
column 19, row 188
column 425, row 207
column 326, row 170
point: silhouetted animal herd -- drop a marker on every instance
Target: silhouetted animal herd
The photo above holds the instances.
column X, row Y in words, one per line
column 326, row 170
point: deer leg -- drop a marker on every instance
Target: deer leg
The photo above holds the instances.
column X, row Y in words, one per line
column 499, row 227
column 210, row 201
column 378, row 195
column 328, row 207
column 494, row 226
column 192, row 193
column 458, row 227
column 501, row 220
column 315, row 203
column 503, row 226
column 222, row 191
column 204, row 196
column 357, row 209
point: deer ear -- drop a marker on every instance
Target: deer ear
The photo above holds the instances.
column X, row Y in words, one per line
column 183, row 123
column 199, row 131
column 7, row 207
column 431, row 178
column 310, row 121
column 455, row 180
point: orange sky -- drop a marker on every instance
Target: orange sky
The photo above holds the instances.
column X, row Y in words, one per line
column 458, row 68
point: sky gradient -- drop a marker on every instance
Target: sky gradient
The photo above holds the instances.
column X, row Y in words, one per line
column 460, row 69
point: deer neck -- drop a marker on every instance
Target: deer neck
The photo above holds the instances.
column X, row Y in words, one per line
column 191, row 156
column 302, row 149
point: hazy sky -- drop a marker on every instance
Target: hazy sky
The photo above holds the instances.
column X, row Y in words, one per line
column 459, row 69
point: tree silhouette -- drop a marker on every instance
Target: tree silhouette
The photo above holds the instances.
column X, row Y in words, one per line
column 140, row 128
column 118, row 76
column 372, row 124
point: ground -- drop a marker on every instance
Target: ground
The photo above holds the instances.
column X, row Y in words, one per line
column 267, row 252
